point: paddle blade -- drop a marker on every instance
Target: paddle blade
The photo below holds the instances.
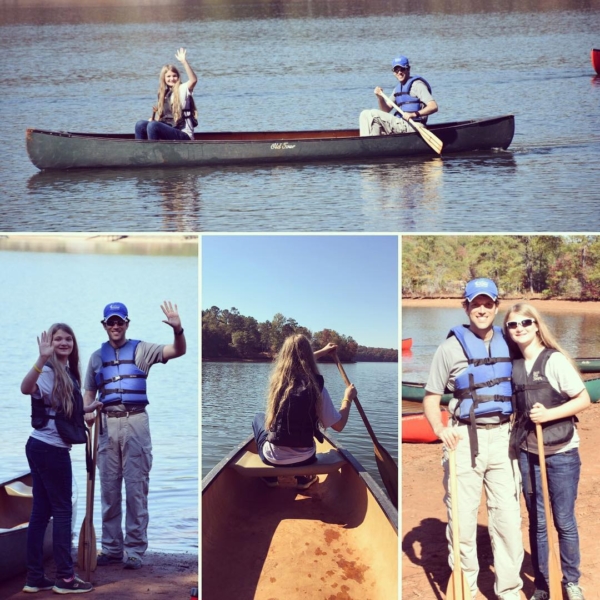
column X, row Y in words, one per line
column 82, row 550
column 458, row 587
column 389, row 472
column 554, row 573
column 429, row 138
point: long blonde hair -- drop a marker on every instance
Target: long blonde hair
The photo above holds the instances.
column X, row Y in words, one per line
column 62, row 392
column 544, row 334
column 295, row 363
column 163, row 89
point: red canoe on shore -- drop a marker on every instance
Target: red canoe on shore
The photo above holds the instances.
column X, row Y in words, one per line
column 406, row 344
column 416, row 428
column 596, row 59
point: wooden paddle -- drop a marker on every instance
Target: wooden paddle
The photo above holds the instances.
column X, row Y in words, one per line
column 458, row 586
column 388, row 469
column 554, row 569
column 86, row 552
column 429, row 138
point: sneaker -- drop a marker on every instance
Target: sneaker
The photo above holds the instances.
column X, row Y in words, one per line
column 39, row 586
column 75, row 586
column 303, row 483
column 133, row 563
column 574, row 592
column 270, row 481
column 540, row 595
column 106, row 559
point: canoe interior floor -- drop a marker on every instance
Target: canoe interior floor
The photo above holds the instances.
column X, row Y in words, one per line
column 283, row 543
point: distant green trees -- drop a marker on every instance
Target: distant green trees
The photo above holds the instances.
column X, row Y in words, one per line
column 229, row 334
column 522, row 265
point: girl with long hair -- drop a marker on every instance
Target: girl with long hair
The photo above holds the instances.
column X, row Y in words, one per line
column 548, row 390
column 172, row 118
column 298, row 407
column 53, row 382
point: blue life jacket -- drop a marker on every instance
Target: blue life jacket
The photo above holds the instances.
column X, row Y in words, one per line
column 407, row 102
column 484, row 387
column 120, row 380
column 297, row 422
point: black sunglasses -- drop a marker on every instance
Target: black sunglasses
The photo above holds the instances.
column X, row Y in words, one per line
column 398, row 69
column 113, row 322
column 523, row 323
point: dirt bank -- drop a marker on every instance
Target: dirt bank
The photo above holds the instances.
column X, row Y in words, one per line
column 425, row 568
column 162, row 576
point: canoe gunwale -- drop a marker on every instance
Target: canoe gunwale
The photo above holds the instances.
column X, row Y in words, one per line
column 380, row 496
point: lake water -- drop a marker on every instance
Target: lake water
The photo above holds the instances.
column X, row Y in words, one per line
column 579, row 334
column 42, row 288
column 306, row 65
column 232, row 393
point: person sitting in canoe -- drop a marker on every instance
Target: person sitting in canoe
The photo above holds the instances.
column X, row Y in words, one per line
column 412, row 95
column 298, row 406
column 174, row 117
column 53, row 382
column 548, row 390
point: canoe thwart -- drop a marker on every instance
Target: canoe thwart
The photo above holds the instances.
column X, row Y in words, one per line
column 249, row 464
column 20, row 489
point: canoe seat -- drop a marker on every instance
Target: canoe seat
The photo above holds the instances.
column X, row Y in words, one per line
column 250, row 465
column 18, row 488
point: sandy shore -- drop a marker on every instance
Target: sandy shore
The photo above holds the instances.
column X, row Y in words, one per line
column 162, row 576
column 556, row 306
column 425, row 570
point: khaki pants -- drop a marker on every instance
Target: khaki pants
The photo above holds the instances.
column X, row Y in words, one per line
column 125, row 454
column 377, row 122
column 499, row 475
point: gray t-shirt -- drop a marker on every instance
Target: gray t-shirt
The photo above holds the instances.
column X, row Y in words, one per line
column 146, row 355
column 48, row 434
column 448, row 362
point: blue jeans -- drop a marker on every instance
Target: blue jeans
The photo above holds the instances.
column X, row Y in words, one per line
column 260, row 435
column 155, row 130
column 562, row 471
column 52, row 489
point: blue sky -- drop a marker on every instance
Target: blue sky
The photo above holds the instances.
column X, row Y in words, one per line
column 345, row 283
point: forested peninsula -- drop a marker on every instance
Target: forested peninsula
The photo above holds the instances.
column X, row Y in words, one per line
column 229, row 335
column 523, row 266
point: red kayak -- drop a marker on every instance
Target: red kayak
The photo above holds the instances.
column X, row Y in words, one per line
column 416, row 428
column 596, row 59
column 406, row 344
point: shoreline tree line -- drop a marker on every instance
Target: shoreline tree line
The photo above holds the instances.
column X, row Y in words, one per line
column 523, row 266
column 229, row 335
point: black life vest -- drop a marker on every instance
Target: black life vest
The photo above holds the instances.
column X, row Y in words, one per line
column 71, row 429
column 532, row 388
column 189, row 112
column 297, row 421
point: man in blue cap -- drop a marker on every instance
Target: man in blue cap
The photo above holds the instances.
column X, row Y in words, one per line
column 117, row 373
column 474, row 363
column 412, row 95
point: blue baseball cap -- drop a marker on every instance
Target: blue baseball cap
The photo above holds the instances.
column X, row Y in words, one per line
column 479, row 286
column 116, row 309
column 400, row 61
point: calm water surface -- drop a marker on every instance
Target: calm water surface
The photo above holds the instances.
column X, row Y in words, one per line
column 306, row 65
column 579, row 334
column 47, row 288
column 232, row 393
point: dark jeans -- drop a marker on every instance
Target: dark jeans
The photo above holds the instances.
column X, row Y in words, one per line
column 562, row 471
column 155, row 130
column 52, row 489
column 260, row 435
